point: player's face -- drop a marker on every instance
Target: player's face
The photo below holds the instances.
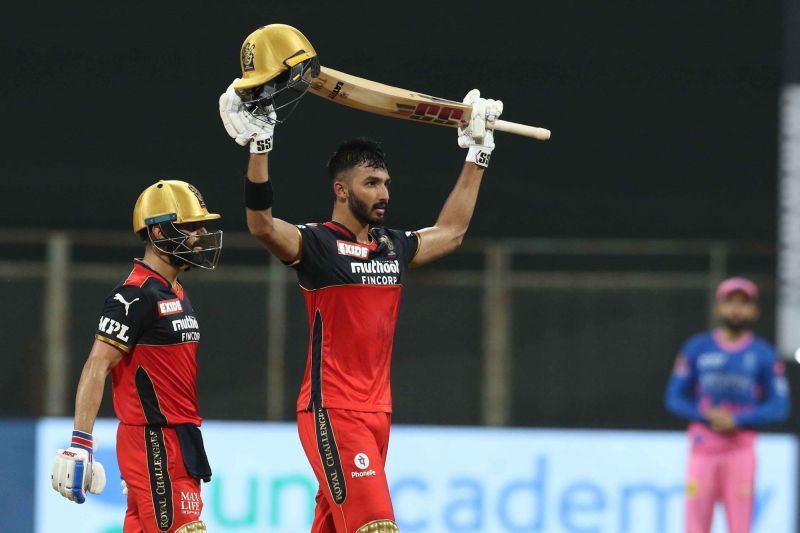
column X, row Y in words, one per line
column 196, row 241
column 737, row 311
column 368, row 195
column 193, row 230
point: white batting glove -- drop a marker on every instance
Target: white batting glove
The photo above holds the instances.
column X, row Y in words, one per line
column 243, row 127
column 75, row 472
column 477, row 136
column 124, row 487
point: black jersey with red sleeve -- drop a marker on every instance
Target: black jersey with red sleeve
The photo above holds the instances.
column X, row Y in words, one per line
column 352, row 294
column 153, row 322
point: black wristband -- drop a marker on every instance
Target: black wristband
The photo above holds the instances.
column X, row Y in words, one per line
column 257, row 196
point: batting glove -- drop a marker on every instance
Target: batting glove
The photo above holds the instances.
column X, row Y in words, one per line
column 244, row 127
column 478, row 136
column 74, row 470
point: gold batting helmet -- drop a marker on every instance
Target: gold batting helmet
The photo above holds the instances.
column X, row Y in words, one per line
column 278, row 64
column 170, row 201
column 269, row 51
column 168, row 204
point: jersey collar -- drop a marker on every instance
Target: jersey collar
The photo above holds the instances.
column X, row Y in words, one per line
column 732, row 347
column 141, row 265
column 345, row 231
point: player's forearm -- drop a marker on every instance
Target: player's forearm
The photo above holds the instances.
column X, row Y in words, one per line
column 90, row 393
column 258, row 168
column 259, row 221
column 460, row 205
column 678, row 404
column 773, row 411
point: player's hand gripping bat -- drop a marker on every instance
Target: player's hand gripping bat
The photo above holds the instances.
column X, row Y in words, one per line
column 394, row 102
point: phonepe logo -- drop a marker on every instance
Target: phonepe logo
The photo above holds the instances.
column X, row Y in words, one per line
column 362, row 461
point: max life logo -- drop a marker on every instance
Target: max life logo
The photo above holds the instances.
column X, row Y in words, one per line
column 191, row 504
column 432, row 112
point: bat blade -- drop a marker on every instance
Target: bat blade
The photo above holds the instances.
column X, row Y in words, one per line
column 394, row 102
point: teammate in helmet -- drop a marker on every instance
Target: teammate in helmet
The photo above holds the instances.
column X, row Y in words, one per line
column 350, row 270
column 174, row 212
column 147, row 339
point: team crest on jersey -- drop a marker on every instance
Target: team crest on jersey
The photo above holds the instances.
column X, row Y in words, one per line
column 389, row 246
column 352, row 249
column 169, row 307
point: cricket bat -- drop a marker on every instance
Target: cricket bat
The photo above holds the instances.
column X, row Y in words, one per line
column 394, row 102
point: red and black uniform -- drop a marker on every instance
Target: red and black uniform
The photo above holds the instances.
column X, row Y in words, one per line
column 352, row 294
column 159, row 446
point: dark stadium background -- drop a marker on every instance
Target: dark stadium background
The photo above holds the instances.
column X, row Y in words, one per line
column 664, row 119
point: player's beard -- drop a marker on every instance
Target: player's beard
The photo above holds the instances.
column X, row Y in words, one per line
column 737, row 325
column 363, row 212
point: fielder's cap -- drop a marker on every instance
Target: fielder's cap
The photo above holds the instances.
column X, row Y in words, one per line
column 170, row 201
column 738, row 284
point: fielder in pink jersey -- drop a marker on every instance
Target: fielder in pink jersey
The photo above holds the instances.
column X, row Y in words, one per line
column 727, row 382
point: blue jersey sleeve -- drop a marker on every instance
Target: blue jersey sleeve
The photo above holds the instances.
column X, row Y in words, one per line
column 774, row 404
column 680, row 398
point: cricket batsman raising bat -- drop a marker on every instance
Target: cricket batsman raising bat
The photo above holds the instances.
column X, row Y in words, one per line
column 303, row 72
column 350, row 270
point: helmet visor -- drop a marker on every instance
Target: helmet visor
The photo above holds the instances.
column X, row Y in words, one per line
column 281, row 94
column 201, row 250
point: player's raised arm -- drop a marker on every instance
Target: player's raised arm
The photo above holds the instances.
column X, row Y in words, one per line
column 451, row 226
column 282, row 239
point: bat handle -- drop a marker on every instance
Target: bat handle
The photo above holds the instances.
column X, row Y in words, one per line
column 539, row 134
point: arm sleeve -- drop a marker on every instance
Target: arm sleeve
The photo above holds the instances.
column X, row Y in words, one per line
column 774, row 404
column 127, row 313
column 407, row 242
column 680, row 398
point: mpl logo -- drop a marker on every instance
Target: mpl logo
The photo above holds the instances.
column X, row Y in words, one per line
column 112, row 327
column 169, row 307
column 352, row 249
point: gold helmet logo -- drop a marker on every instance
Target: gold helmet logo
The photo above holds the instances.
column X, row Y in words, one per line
column 247, row 57
column 269, row 51
column 198, row 196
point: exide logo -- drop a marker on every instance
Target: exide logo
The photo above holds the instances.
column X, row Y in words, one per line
column 169, row 307
column 360, row 251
